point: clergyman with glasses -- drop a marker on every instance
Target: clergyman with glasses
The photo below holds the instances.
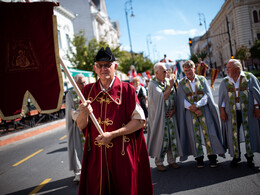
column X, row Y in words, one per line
column 74, row 134
column 115, row 162
column 162, row 134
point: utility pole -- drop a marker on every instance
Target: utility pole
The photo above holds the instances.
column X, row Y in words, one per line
column 129, row 2
column 208, row 48
column 229, row 37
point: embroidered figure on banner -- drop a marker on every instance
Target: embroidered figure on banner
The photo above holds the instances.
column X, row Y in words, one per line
column 21, row 56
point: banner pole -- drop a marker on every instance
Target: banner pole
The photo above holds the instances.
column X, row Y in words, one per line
column 81, row 97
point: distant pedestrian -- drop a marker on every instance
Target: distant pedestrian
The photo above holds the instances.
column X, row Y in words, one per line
column 74, row 134
column 141, row 95
column 239, row 99
column 132, row 73
column 202, row 67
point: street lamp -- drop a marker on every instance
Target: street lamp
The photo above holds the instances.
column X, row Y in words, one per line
column 128, row 7
column 204, row 19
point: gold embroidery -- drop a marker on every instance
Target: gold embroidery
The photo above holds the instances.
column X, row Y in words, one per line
column 106, row 122
column 101, row 100
column 21, row 56
column 110, row 145
column 108, row 101
column 90, row 99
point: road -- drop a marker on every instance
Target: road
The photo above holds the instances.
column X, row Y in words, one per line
column 51, row 162
column 40, row 163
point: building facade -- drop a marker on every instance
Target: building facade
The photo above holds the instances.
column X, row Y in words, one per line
column 93, row 20
column 242, row 17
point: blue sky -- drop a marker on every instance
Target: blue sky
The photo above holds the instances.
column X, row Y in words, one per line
column 167, row 23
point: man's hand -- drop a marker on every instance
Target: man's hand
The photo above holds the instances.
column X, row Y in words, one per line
column 193, row 108
column 198, row 112
column 171, row 82
column 86, row 108
column 83, row 118
column 105, row 138
column 170, row 113
column 257, row 113
column 223, row 114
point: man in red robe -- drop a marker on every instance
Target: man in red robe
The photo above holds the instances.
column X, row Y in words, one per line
column 117, row 161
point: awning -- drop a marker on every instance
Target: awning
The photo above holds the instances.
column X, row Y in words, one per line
column 74, row 71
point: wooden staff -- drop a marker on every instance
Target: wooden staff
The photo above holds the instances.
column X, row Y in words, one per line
column 81, row 97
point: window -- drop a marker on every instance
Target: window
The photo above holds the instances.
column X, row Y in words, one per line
column 255, row 16
column 258, row 36
column 68, row 40
column 59, row 39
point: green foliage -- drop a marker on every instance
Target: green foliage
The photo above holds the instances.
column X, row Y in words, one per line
column 82, row 56
column 242, row 53
column 255, row 72
column 202, row 55
column 142, row 63
column 255, row 50
column 194, row 58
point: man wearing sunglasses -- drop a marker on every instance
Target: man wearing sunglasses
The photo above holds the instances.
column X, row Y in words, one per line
column 117, row 161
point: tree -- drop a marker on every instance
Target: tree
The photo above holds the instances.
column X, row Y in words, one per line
column 142, row 64
column 194, row 58
column 243, row 54
column 202, row 55
column 255, row 50
column 82, row 56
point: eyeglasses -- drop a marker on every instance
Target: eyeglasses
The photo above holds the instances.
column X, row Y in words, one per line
column 107, row 65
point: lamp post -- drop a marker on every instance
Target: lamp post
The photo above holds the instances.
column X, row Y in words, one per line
column 204, row 19
column 128, row 7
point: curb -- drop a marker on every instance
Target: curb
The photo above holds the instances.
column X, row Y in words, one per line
column 14, row 137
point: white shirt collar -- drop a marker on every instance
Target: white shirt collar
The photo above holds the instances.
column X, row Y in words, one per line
column 242, row 73
column 193, row 81
column 110, row 86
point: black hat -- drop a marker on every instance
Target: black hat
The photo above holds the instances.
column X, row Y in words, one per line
column 104, row 55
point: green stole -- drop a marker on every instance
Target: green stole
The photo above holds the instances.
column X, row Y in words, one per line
column 242, row 98
column 169, row 136
column 76, row 104
column 197, row 122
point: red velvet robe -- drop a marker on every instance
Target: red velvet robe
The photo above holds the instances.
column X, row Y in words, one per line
column 121, row 167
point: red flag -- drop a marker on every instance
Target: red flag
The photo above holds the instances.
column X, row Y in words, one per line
column 29, row 59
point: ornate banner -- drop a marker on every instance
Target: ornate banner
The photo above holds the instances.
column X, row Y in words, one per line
column 29, row 59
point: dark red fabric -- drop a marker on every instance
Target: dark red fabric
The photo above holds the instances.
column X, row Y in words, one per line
column 103, row 167
column 27, row 56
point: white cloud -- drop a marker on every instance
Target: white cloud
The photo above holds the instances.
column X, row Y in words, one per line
column 174, row 32
column 157, row 37
column 193, row 32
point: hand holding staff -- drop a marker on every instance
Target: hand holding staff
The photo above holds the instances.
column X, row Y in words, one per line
column 81, row 97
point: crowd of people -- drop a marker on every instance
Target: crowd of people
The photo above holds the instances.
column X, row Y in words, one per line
column 180, row 117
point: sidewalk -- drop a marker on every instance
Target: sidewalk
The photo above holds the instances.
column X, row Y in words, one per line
column 23, row 134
